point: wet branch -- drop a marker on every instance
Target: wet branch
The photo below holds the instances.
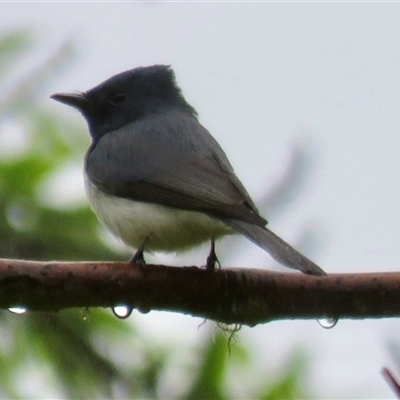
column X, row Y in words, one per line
column 230, row 295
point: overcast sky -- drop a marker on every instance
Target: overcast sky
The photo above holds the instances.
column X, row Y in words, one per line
column 263, row 77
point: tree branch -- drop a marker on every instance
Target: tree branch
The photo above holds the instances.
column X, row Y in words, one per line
column 229, row 295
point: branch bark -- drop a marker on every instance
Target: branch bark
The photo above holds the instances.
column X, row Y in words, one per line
column 229, row 295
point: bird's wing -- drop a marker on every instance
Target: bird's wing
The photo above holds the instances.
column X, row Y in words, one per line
column 170, row 159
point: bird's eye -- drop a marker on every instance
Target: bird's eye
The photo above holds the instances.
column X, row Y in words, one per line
column 117, row 98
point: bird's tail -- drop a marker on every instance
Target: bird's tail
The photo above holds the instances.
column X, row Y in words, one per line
column 276, row 247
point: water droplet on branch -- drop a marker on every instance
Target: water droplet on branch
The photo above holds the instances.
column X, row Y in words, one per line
column 328, row 322
column 17, row 310
column 122, row 311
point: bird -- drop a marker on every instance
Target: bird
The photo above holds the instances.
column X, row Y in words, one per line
column 158, row 179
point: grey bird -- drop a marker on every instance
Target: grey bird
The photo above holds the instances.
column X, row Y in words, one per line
column 157, row 178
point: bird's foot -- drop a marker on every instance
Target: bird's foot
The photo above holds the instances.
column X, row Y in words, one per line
column 212, row 260
column 138, row 257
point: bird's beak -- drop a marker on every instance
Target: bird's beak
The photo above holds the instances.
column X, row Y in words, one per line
column 76, row 100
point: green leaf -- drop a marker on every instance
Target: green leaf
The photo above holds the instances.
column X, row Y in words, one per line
column 290, row 385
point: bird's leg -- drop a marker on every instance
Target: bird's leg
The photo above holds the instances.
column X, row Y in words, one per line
column 138, row 257
column 212, row 259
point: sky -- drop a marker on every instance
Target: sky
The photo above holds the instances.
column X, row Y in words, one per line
column 265, row 77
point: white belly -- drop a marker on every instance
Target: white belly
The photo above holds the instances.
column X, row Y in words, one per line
column 167, row 229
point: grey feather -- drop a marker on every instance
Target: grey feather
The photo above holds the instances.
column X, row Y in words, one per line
column 276, row 247
column 182, row 167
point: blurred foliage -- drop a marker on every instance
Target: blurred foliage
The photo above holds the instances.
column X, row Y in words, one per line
column 83, row 354
column 289, row 386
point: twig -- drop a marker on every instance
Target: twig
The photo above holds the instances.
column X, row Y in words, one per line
column 229, row 295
